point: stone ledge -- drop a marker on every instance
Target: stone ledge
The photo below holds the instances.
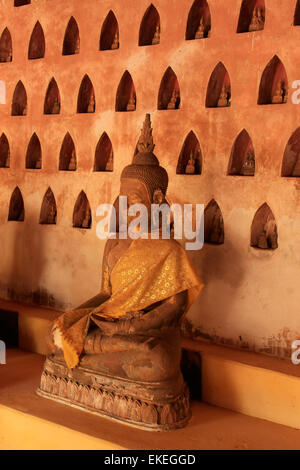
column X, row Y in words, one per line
column 31, row 422
column 250, row 383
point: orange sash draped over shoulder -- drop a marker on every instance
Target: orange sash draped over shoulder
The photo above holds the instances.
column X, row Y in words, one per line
column 150, row 271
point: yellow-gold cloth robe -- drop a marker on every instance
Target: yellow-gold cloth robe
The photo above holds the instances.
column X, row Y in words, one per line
column 150, row 271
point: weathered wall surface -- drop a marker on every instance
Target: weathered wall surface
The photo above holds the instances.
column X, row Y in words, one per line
column 251, row 298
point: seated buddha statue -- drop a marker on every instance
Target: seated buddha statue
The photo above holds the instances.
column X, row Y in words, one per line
column 119, row 353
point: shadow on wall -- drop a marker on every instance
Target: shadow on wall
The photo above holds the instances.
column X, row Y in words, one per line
column 27, row 245
column 216, row 263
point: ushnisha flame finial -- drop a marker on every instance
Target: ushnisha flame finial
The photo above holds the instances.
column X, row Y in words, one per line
column 145, row 143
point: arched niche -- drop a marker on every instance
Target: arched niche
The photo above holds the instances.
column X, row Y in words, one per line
column 213, row 224
column 48, row 210
column 16, row 206
column 297, row 14
column 273, row 87
column 37, row 45
column 71, row 44
column 199, row 21
column 126, row 95
column 169, row 91
column 19, row 3
column 67, row 156
column 109, row 37
column 252, row 16
column 19, row 102
column 242, row 159
column 190, row 158
column 104, row 155
column 86, row 102
column 34, row 154
column 4, row 152
column 219, row 88
column 52, row 99
column 82, row 215
column 149, row 34
column 5, row 46
column 264, row 229
column 291, row 157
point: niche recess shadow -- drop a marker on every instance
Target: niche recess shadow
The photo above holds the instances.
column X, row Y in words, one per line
column 149, row 34
column 190, row 158
column 126, row 95
column 104, row 155
column 291, row 157
column 5, row 46
column 109, row 37
column 213, row 224
column 252, row 16
column 34, row 154
column 71, row 44
column 37, row 43
column 4, row 152
column 48, row 210
column 199, row 21
column 19, row 102
column 82, row 215
column 273, row 87
column 169, row 91
column 242, row 159
column 219, row 88
column 67, row 156
column 264, row 229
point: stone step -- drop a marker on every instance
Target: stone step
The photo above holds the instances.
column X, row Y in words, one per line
column 242, row 381
column 33, row 423
column 254, row 384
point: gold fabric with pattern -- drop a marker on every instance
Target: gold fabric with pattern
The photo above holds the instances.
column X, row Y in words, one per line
column 150, row 271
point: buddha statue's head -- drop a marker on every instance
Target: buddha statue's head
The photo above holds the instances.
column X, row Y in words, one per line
column 144, row 181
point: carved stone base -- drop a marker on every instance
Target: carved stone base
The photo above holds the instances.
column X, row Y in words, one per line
column 151, row 406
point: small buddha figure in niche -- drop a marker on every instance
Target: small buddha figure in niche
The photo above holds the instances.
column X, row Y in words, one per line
column 224, row 98
column 296, row 169
column 72, row 162
column 174, row 100
column 257, row 20
column 268, row 238
column 110, row 163
column 216, row 235
column 77, row 45
column 156, row 37
column 201, row 30
column 118, row 354
column 56, row 107
column 38, row 163
column 86, row 222
column 248, row 168
column 280, row 95
column 131, row 105
column 115, row 44
column 92, row 104
column 190, row 169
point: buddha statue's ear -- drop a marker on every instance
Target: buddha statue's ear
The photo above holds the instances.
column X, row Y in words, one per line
column 158, row 196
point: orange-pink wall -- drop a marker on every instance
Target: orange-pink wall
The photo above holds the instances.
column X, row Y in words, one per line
column 251, row 298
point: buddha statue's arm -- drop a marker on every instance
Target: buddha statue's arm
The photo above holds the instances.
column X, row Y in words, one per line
column 165, row 314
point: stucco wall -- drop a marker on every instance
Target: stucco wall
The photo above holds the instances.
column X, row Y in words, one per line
column 251, row 296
